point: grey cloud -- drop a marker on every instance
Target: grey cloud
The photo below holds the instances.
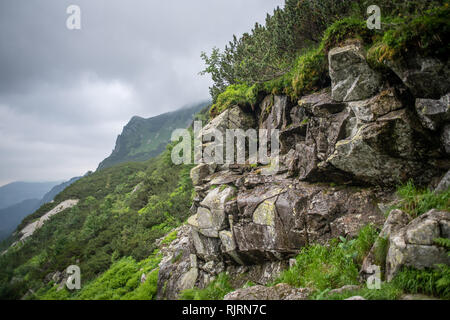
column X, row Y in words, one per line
column 65, row 95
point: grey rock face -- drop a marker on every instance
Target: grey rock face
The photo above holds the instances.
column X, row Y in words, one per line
column 433, row 113
column 176, row 271
column 200, row 172
column 211, row 217
column 425, row 77
column 351, row 77
column 377, row 106
column 385, row 152
column 275, row 112
column 232, row 118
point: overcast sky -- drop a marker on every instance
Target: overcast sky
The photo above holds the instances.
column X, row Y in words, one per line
column 66, row 94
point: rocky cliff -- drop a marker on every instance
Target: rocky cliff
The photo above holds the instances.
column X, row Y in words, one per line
column 343, row 150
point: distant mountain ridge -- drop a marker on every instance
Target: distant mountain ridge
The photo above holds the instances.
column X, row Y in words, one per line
column 11, row 216
column 49, row 196
column 16, row 192
column 142, row 139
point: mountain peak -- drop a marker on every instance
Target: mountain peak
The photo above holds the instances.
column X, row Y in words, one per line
column 142, row 139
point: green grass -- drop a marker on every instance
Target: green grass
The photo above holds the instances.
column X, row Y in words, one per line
column 388, row 291
column 443, row 242
column 122, row 281
column 416, row 201
column 216, row 290
column 329, row 267
column 434, row 282
column 170, row 237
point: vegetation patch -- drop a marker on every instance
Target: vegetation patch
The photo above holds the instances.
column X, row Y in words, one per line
column 434, row 282
column 237, row 94
column 416, row 201
column 425, row 34
column 216, row 290
column 329, row 267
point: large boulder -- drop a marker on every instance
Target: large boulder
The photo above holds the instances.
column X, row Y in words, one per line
column 371, row 109
column 200, row 172
column 232, row 118
column 351, row 77
column 275, row 222
column 414, row 246
column 444, row 184
column 386, row 152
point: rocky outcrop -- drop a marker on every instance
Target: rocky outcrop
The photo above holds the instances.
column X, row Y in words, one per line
column 444, row 184
column 409, row 243
column 343, row 150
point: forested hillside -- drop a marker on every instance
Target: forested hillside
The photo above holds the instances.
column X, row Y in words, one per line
column 122, row 210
